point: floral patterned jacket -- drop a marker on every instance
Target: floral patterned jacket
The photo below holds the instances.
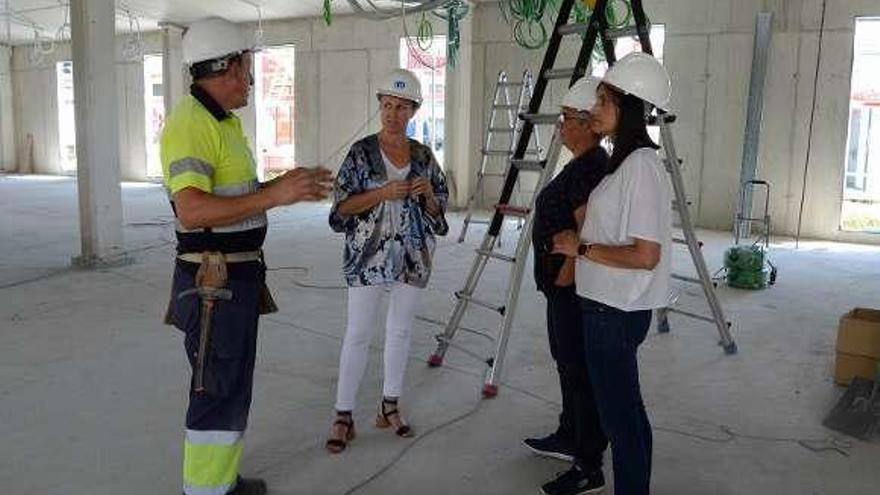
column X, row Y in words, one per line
column 375, row 252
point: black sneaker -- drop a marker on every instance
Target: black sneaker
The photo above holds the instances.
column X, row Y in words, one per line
column 249, row 486
column 551, row 446
column 575, row 482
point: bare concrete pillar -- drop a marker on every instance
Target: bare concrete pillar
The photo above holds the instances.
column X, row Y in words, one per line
column 7, row 134
column 97, row 136
column 174, row 77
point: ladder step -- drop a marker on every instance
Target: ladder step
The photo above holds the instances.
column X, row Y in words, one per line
column 627, row 32
column 513, row 211
column 540, row 118
column 529, row 165
column 494, row 174
column 501, row 129
column 668, row 167
column 566, row 73
column 511, row 84
column 682, row 241
column 497, row 256
column 479, row 302
column 684, row 278
column 667, row 117
column 576, row 28
column 497, row 152
column 505, row 107
column 675, row 204
column 691, row 315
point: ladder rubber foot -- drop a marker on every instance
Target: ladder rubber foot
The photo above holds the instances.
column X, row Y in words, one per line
column 730, row 348
column 663, row 326
column 490, row 391
column 435, row 361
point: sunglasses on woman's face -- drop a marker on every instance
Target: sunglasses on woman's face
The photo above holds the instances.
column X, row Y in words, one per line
column 573, row 116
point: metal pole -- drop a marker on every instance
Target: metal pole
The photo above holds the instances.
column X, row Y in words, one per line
column 754, row 117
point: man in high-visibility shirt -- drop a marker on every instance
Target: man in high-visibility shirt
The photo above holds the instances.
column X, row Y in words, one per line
column 219, row 286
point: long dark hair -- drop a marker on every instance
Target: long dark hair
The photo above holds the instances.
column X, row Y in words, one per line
column 632, row 131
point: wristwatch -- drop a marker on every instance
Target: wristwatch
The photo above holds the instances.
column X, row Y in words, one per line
column 583, row 249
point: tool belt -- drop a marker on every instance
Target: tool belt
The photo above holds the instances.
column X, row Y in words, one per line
column 240, row 257
column 212, row 274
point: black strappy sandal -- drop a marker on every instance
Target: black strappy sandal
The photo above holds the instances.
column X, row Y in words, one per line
column 336, row 445
column 386, row 418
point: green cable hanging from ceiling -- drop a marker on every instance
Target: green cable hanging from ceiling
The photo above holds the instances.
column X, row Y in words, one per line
column 529, row 19
column 450, row 11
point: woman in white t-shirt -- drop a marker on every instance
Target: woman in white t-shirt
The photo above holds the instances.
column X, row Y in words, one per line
column 623, row 257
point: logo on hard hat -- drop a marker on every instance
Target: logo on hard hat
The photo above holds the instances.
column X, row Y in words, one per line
column 399, row 85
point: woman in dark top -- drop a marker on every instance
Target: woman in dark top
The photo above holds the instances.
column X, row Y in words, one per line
column 579, row 435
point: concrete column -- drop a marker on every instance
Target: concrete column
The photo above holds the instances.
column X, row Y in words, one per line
column 460, row 139
column 97, row 136
column 7, row 134
column 174, row 76
column 132, row 137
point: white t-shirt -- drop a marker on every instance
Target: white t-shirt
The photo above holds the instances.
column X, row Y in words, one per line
column 634, row 202
column 395, row 205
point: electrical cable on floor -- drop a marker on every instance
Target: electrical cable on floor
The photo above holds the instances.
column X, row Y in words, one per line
column 829, row 444
column 305, row 285
column 61, row 271
column 832, row 444
column 387, row 467
column 430, row 431
column 35, row 279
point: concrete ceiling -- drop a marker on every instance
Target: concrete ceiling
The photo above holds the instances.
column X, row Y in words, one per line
column 26, row 20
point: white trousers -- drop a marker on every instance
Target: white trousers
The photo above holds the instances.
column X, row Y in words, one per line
column 363, row 304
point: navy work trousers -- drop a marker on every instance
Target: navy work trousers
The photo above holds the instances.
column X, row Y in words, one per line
column 233, row 346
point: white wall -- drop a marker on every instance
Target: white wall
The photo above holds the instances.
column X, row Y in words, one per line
column 338, row 68
column 36, row 110
column 708, row 54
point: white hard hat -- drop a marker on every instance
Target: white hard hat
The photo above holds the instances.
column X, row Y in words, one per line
column 642, row 76
column 582, row 94
column 402, row 84
column 211, row 39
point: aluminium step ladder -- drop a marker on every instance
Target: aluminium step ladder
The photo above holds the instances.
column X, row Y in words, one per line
column 492, row 150
column 596, row 29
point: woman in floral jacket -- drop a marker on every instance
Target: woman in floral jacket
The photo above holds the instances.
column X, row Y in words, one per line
column 389, row 200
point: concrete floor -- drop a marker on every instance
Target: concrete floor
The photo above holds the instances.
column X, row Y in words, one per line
column 93, row 386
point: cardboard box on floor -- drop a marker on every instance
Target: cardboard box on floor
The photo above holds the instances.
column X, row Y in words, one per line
column 858, row 345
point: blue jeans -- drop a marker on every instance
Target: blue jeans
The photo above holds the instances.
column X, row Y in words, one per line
column 611, row 341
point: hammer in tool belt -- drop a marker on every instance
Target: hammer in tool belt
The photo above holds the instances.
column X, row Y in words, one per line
column 210, row 287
